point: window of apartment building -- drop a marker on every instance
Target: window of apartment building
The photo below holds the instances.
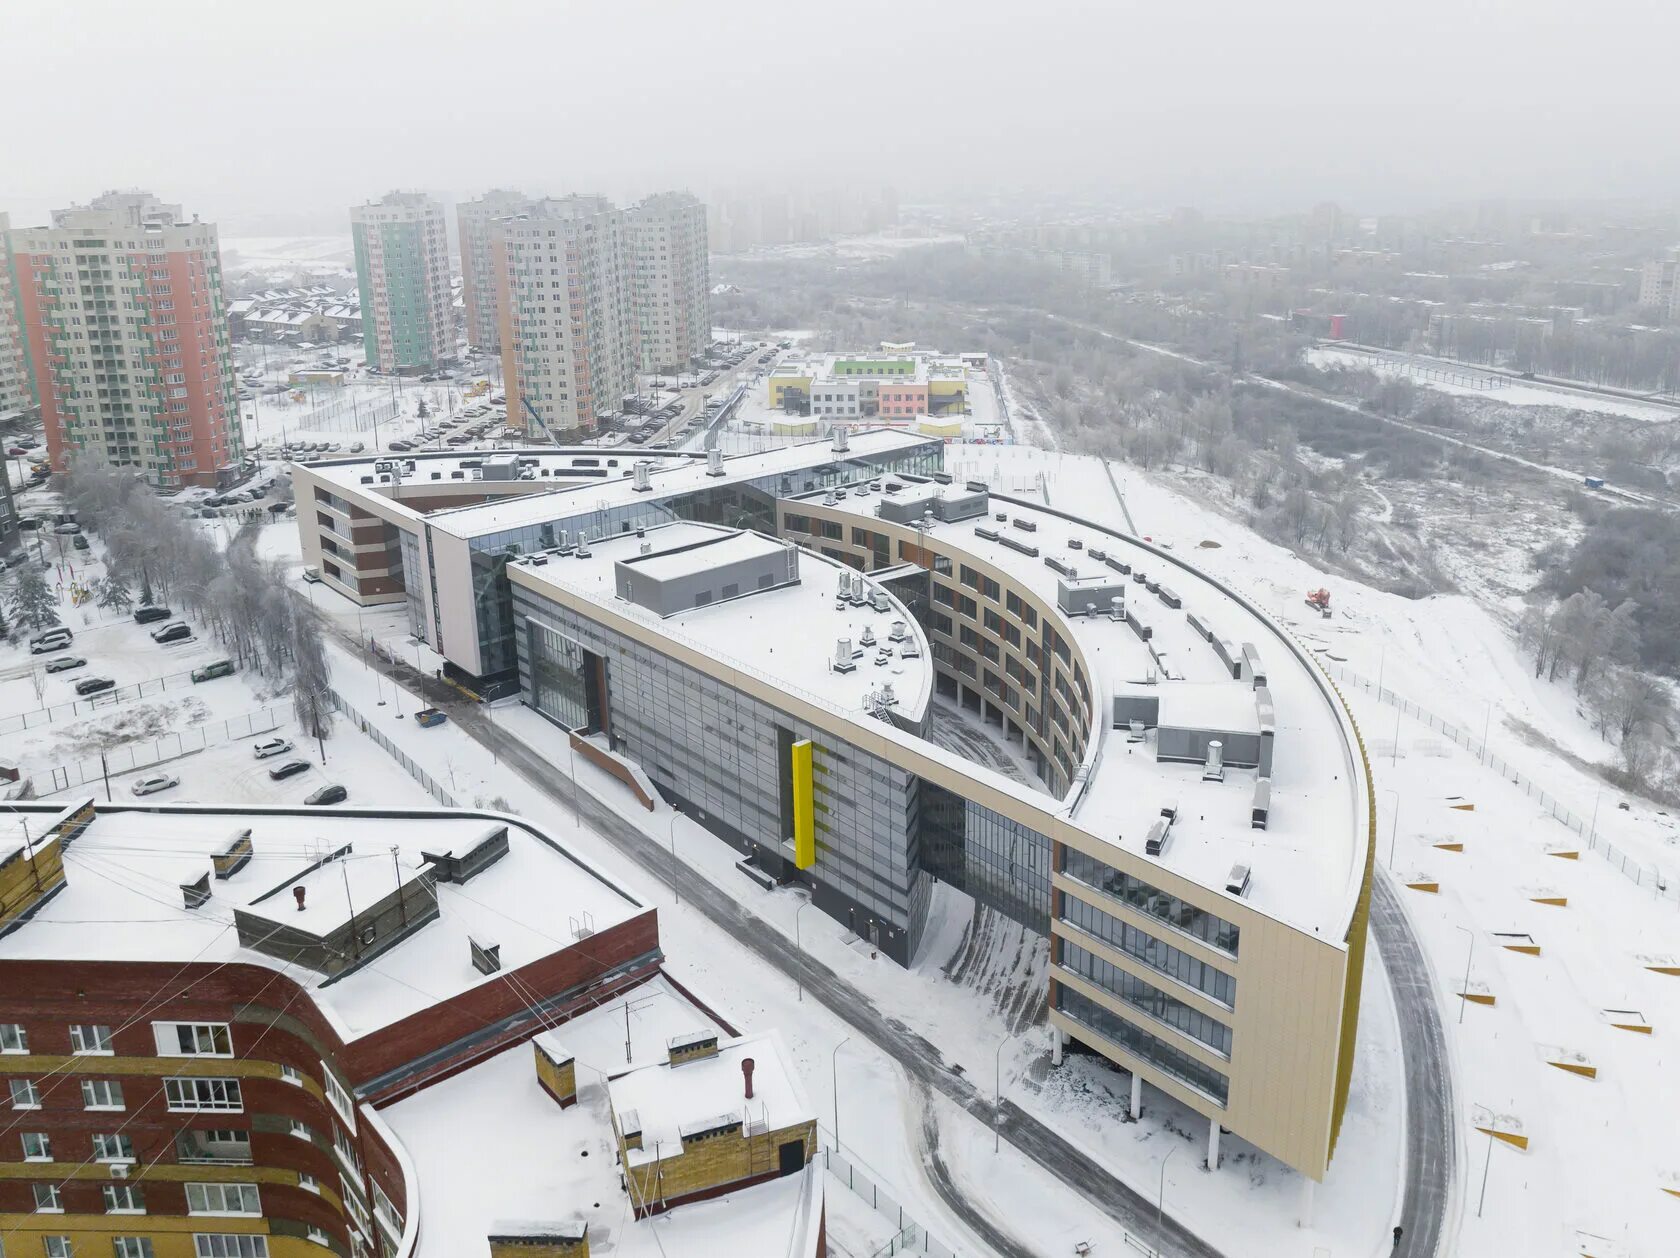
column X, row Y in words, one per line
column 25, row 1095
column 48, row 1199
column 214, row 1245
column 37, row 1146
column 308, row 1182
column 319, row 1237
column 236, row 1199
column 90, row 1038
column 190, row 1095
column 13, row 1038
column 291, row 1074
column 339, row 1095
column 193, row 1039
column 115, row 1147
column 353, row 1202
column 346, row 1150
column 214, row 1146
column 968, row 607
column 131, row 1247
column 123, row 1199
column 386, row 1211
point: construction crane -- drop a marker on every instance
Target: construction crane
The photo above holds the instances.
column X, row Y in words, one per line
column 532, row 412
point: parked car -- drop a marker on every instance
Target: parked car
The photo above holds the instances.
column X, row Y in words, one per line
column 146, row 615
column 328, row 795
column 68, row 528
column 291, row 768
column 64, row 663
column 155, row 783
column 79, row 542
column 52, row 640
column 311, row 575
column 271, row 747
column 213, row 670
column 429, row 717
column 93, row 685
column 179, row 631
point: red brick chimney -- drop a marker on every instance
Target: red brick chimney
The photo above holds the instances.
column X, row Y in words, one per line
column 747, row 1069
column 298, row 894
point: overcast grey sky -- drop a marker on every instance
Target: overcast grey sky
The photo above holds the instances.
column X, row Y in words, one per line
column 304, row 106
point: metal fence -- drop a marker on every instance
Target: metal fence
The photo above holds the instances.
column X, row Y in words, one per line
column 131, row 756
column 1640, row 873
column 433, row 787
column 84, row 707
column 909, row 1236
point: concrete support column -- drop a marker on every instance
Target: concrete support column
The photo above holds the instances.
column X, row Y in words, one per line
column 1213, row 1145
column 1057, row 1039
column 1306, row 1216
column 1137, row 1096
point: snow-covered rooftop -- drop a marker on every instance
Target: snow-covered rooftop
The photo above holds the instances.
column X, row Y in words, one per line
column 1307, row 864
column 123, row 899
column 786, row 634
column 671, row 1102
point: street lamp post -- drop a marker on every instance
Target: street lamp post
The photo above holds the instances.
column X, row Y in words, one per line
column 675, row 889
column 1394, row 829
column 997, row 1094
column 1161, row 1197
column 834, row 1075
column 1464, row 991
column 799, row 943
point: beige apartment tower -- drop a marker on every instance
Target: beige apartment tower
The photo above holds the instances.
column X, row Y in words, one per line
column 475, row 219
column 672, row 277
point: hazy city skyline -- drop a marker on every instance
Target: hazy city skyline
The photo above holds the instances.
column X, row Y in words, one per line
column 305, row 112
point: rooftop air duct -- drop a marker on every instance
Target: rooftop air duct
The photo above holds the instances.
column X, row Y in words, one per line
column 843, row 656
column 714, row 462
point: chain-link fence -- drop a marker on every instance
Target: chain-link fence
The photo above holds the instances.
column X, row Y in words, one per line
column 86, row 707
column 1640, row 873
column 909, row 1236
column 433, row 787
column 131, row 756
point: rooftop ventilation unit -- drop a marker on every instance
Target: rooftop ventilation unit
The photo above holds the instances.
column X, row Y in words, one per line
column 868, row 637
column 1236, row 882
column 1117, row 607
column 841, row 444
column 908, row 649
column 643, row 472
column 1213, row 769
column 714, row 462
column 1159, row 832
column 486, row 958
column 196, row 895
column 887, row 695
column 582, row 552
column 830, row 498
column 646, row 548
column 897, row 632
column 1001, row 517
column 1134, row 731
column 843, row 656
column 878, row 600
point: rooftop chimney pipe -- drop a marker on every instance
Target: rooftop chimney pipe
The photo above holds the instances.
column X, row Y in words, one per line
column 297, row 894
column 746, row 1070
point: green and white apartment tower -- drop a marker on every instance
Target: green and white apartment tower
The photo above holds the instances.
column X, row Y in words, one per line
column 402, row 266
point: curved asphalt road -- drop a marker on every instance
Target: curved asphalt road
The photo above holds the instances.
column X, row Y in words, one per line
column 1430, row 1142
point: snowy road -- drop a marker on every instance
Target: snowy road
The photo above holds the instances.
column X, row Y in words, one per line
column 919, row 1059
column 1430, row 1143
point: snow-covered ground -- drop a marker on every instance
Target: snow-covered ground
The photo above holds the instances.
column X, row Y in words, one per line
column 1418, row 368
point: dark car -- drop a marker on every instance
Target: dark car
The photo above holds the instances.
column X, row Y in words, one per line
column 93, row 685
column 146, row 615
column 291, row 769
column 79, row 542
column 328, row 795
column 177, row 632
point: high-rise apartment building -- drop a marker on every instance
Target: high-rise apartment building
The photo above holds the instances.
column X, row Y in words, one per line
column 125, row 336
column 16, row 395
column 478, row 281
column 564, row 299
column 672, row 277
column 402, row 267
column 1659, row 286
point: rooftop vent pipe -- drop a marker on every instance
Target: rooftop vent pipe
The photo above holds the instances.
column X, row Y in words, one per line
column 747, row 1073
column 843, row 656
column 643, row 474
column 841, row 444
column 714, row 461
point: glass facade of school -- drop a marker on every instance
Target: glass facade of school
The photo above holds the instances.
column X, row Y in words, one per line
column 723, row 756
column 1140, row 1043
column 748, row 503
column 998, row 861
column 1147, row 998
column 1158, row 955
column 1196, row 922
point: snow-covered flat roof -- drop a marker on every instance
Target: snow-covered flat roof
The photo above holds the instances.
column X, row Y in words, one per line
column 787, row 634
column 721, row 548
column 674, row 1102
column 1307, row 864
column 125, row 874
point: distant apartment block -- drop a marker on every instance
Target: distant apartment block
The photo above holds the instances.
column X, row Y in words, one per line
column 1659, row 286
column 564, row 298
column 16, row 396
column 671, row 274
column 475, row 220
column 402, row 268
column 125, row 337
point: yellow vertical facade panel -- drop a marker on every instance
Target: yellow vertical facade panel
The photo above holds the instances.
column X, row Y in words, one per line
column 804, row 808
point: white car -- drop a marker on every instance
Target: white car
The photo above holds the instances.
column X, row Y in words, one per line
column 273, row 747
column 158, row 782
